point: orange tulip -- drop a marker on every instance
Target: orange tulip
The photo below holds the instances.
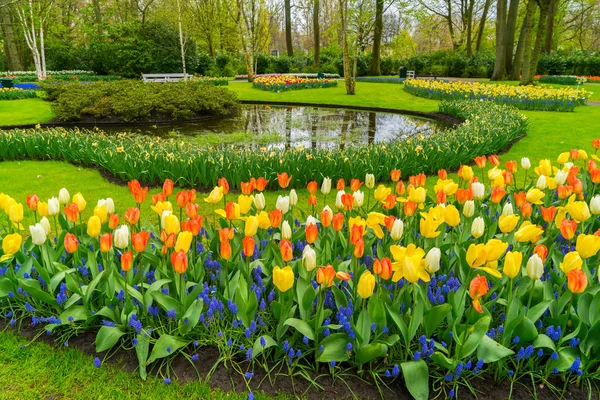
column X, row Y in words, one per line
column 326, row 217
column 400, row 189
column 284, row 180
column 389, row 222
column 158, row 197
column 591, row 165
column 526, row 210
column 383, row 268
column 417, row 180
column 312, row 232
column 564, row 191
column 261, row 184
column 341, row 184
column 106, row 242
column 72, row 212
column 179, row 261
column 477, row 289
column 574, row 154
column 409, row 208
column 182, row 198
column 139, row 240
column 577, row 280
column 168, row 240
column 225, row 250
column 568, row 228
column 356, row 232
column 442, row 174
column 595, row 175
column 312, row 187
column 497, row 194
column 520, row 198
column 344, row 276
column 508, row 177
column 139, row 193
column 511, row 166
column 113, row 221
column 230, row 210
column 395, row 175
column 359, row 248
column 167, row 189
column 71, row 243
column 347, row 200
column 325, row 276
column 549, row 213
column 275, row 217
column 222, row 182
column 338, row 221
column 312, row 200
column 191, row 225
column 480, row 161
column 440, row 197
column 225, row 234
column 132, row 215
column 494, row 160
column 541, row 251
column 355, row 185
column 32, row 202
column 126, row 260
column 463, row 195
column 390, row 202
column 247, row 187
column 285, row 246
column 248, row 246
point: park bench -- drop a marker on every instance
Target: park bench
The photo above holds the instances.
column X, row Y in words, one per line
column 410, row 74
column 162, row 77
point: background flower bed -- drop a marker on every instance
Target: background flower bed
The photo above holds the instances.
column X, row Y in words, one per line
column 130, row 100
column 522, row 97
column 17, row 93
column 488, row 128
column 285, row 83
column 562, row 79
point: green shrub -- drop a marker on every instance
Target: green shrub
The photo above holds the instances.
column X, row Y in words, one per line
column 560, row 79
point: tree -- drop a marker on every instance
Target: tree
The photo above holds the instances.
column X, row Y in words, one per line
column 11, row 51
column 530, row 64
column 32, row 16
column 378, row 30
column 348, row 77
column 288, row 27
column 252, row 21
column 316, row 33
column 499, row 73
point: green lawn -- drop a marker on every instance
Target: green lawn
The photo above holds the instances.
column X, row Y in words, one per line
column 27, row 111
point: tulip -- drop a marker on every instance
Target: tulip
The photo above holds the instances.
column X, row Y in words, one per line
column 184, row 241
column 478, row 190
column 170, row 223
column 497, row 195
column 283, row 204
column 508, row 223
column 215, row 195
column 261, row 184
column 383, row 268
column 571, row 261
column 326, row 216
column 541, row 183
column 94, row 226
column 535, row 267
column 395, row 175
column 64, row 197
column 370, row 181
column 366, row 285
column 126, row 260
column 534, row 196
column 53, row 207
column 477, row 227
column 222, row 182
column 311, row 232
column 409, row 263
column 477, row 289
column 451, row 215
column 108, row 203
column 549, row 213
column 347, row 201
column 359, row 248
column 167, row 188
column 283, row 180
column 528, row 232
column 285, row 246
column 480, row 161
column 191, row 209
column 46, row 225
column 326, row 186
column 432, row 260
column 259, row 201
column 579, row 211
column 71, row 244
column 544, row 168
column 416, row 195
column 325, row 276
column 286, row 230
column 42, row 209
column 400, row 188
column 101, row 213
column 283, row 278
column 121, row 237
column 355, row 185
column 275, row 218
column 72, row 212
column 525, row 163
column 179, row 261
column 469, row 208
column 338, row 199
column 359, row 198
column 159, row 208
column 568, row 228
column 10, row 245
column 251, row 226
column 382, row 192
column 113, row 221
column 248, row 246
column 32, row 202
column 232, row 210
column 105, row 242
column 397, row 229
column 428, row 227
column 587, row 245
column 80, row 201
column 512, row 263
column 38, row 234
column 293, row 197
column 576, row 281
column 507, row 210
column 465, row 172
column 309, row 258
column 338, row 221
column 139, row 240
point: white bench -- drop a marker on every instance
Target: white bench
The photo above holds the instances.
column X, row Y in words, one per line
column 410, row 74
column 162, row 77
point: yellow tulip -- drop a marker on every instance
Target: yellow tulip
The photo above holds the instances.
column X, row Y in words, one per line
column 507, row 223
column 417, row 195
column 215, row 195
column 263, row 220
column 494, row 249
column 3, row 200
column 571, row 261
column 561, row 213
column 184, row 241
column 587, row 245
column 583, row 154
column 512, row 263
column 528, row 232
column 428, row 227
column 550, row 183
column 15, row 213
column 498, row 182
column 382, row 192
column 251, row 226
column 545, row 168
column 534, row 195
column 10, row 245
column 409, row 263
column 493, row 173
column 374, row 221
column 451, row 215
column 579, row 210
column 477, row 258
column 283, row 278
column 161, row 206
column 171, row 224
column 80, row 201
column 357, row 221
column 43, row 209
column 245, row 203
column 101, row 213
column 8, row 204
column 466, row 172
column 563, row 157
column 366, row 285
column 447, row 186
column 93, row 226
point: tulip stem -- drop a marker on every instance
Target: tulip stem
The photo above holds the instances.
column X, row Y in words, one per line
column 531, row 294
column 525, row 180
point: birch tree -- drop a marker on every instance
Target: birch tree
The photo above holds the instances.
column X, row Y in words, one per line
column 33, row 15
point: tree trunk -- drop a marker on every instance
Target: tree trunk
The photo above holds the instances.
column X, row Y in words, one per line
column 350, row 84
column 549, row 42
column 469, row 18
column 181, row 41
column 288, row 28
column 511, row 27
column 531, row 6
column 539, row 43
column 486, row 9
column 500, row 63
column 316, row 32
column 377, row 33
column 518, row 60
column 98, row 15
column 13, row 59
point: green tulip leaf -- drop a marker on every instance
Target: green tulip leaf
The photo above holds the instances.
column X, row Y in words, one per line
column 165, row 346
column 301, row 326
column 334, row 348
column 416, row 378
column 107, row 337
column 491, row 351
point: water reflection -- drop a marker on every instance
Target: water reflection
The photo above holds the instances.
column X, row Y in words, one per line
column 271, row 126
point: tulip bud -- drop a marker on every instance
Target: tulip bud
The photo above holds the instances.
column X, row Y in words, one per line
column 326, row 186
column 595, row 205
column 359, row 198
column 469, row 208
column 397, row 229
column 309, row 258
column 477, row 227
column 541, row 182
column 64, row 197
column 38, row 234
column 259, row 201
column 80, row 201
column 46, row 224
column 286, row 230
column 535, row 267
column 432, row 260
column 525, row 163
column 121, row 237
column 507, row 210
column 283, row 204
column 293, row 197
column 53, row 207
column 370, row 181
column 478, row 189
column 94, row 226
column 560, row 177
column 338, row 199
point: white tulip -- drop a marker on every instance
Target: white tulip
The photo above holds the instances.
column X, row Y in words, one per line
column 541, row 182
column 525, row 163
column 259, row 201
column 286, row 230
column 595, row 205
column 359, row 198
column 397, row 229
column 53, row 207
column 109, row 204
column 507, row 209
column 560, row 177
column 326, row 186
column 46, row 224
column 477, row 227
column 38, row 234
column 310, row 220
column 338, row 199
column 293, row 197
column 469, row 208
column 432, row 260
column 121, row 236
column 283, row 203
column 535, row 267
column 63, row 196
column 309, row 258
column 478, row 189
column 370, row 181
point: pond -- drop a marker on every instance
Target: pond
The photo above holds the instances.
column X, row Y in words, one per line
column 310, row 127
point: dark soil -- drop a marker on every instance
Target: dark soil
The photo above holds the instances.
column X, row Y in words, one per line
column 351, row 386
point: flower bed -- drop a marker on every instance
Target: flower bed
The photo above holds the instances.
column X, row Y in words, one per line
column 210, row 80
column 380, row 80
column 522, row 97
column 489, row 128
column 298, row 75
column 397, row 281
column 562, row 79
column 285, row 83
column 16, row 93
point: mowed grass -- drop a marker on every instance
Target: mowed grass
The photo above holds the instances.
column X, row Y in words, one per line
column 26, row 111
